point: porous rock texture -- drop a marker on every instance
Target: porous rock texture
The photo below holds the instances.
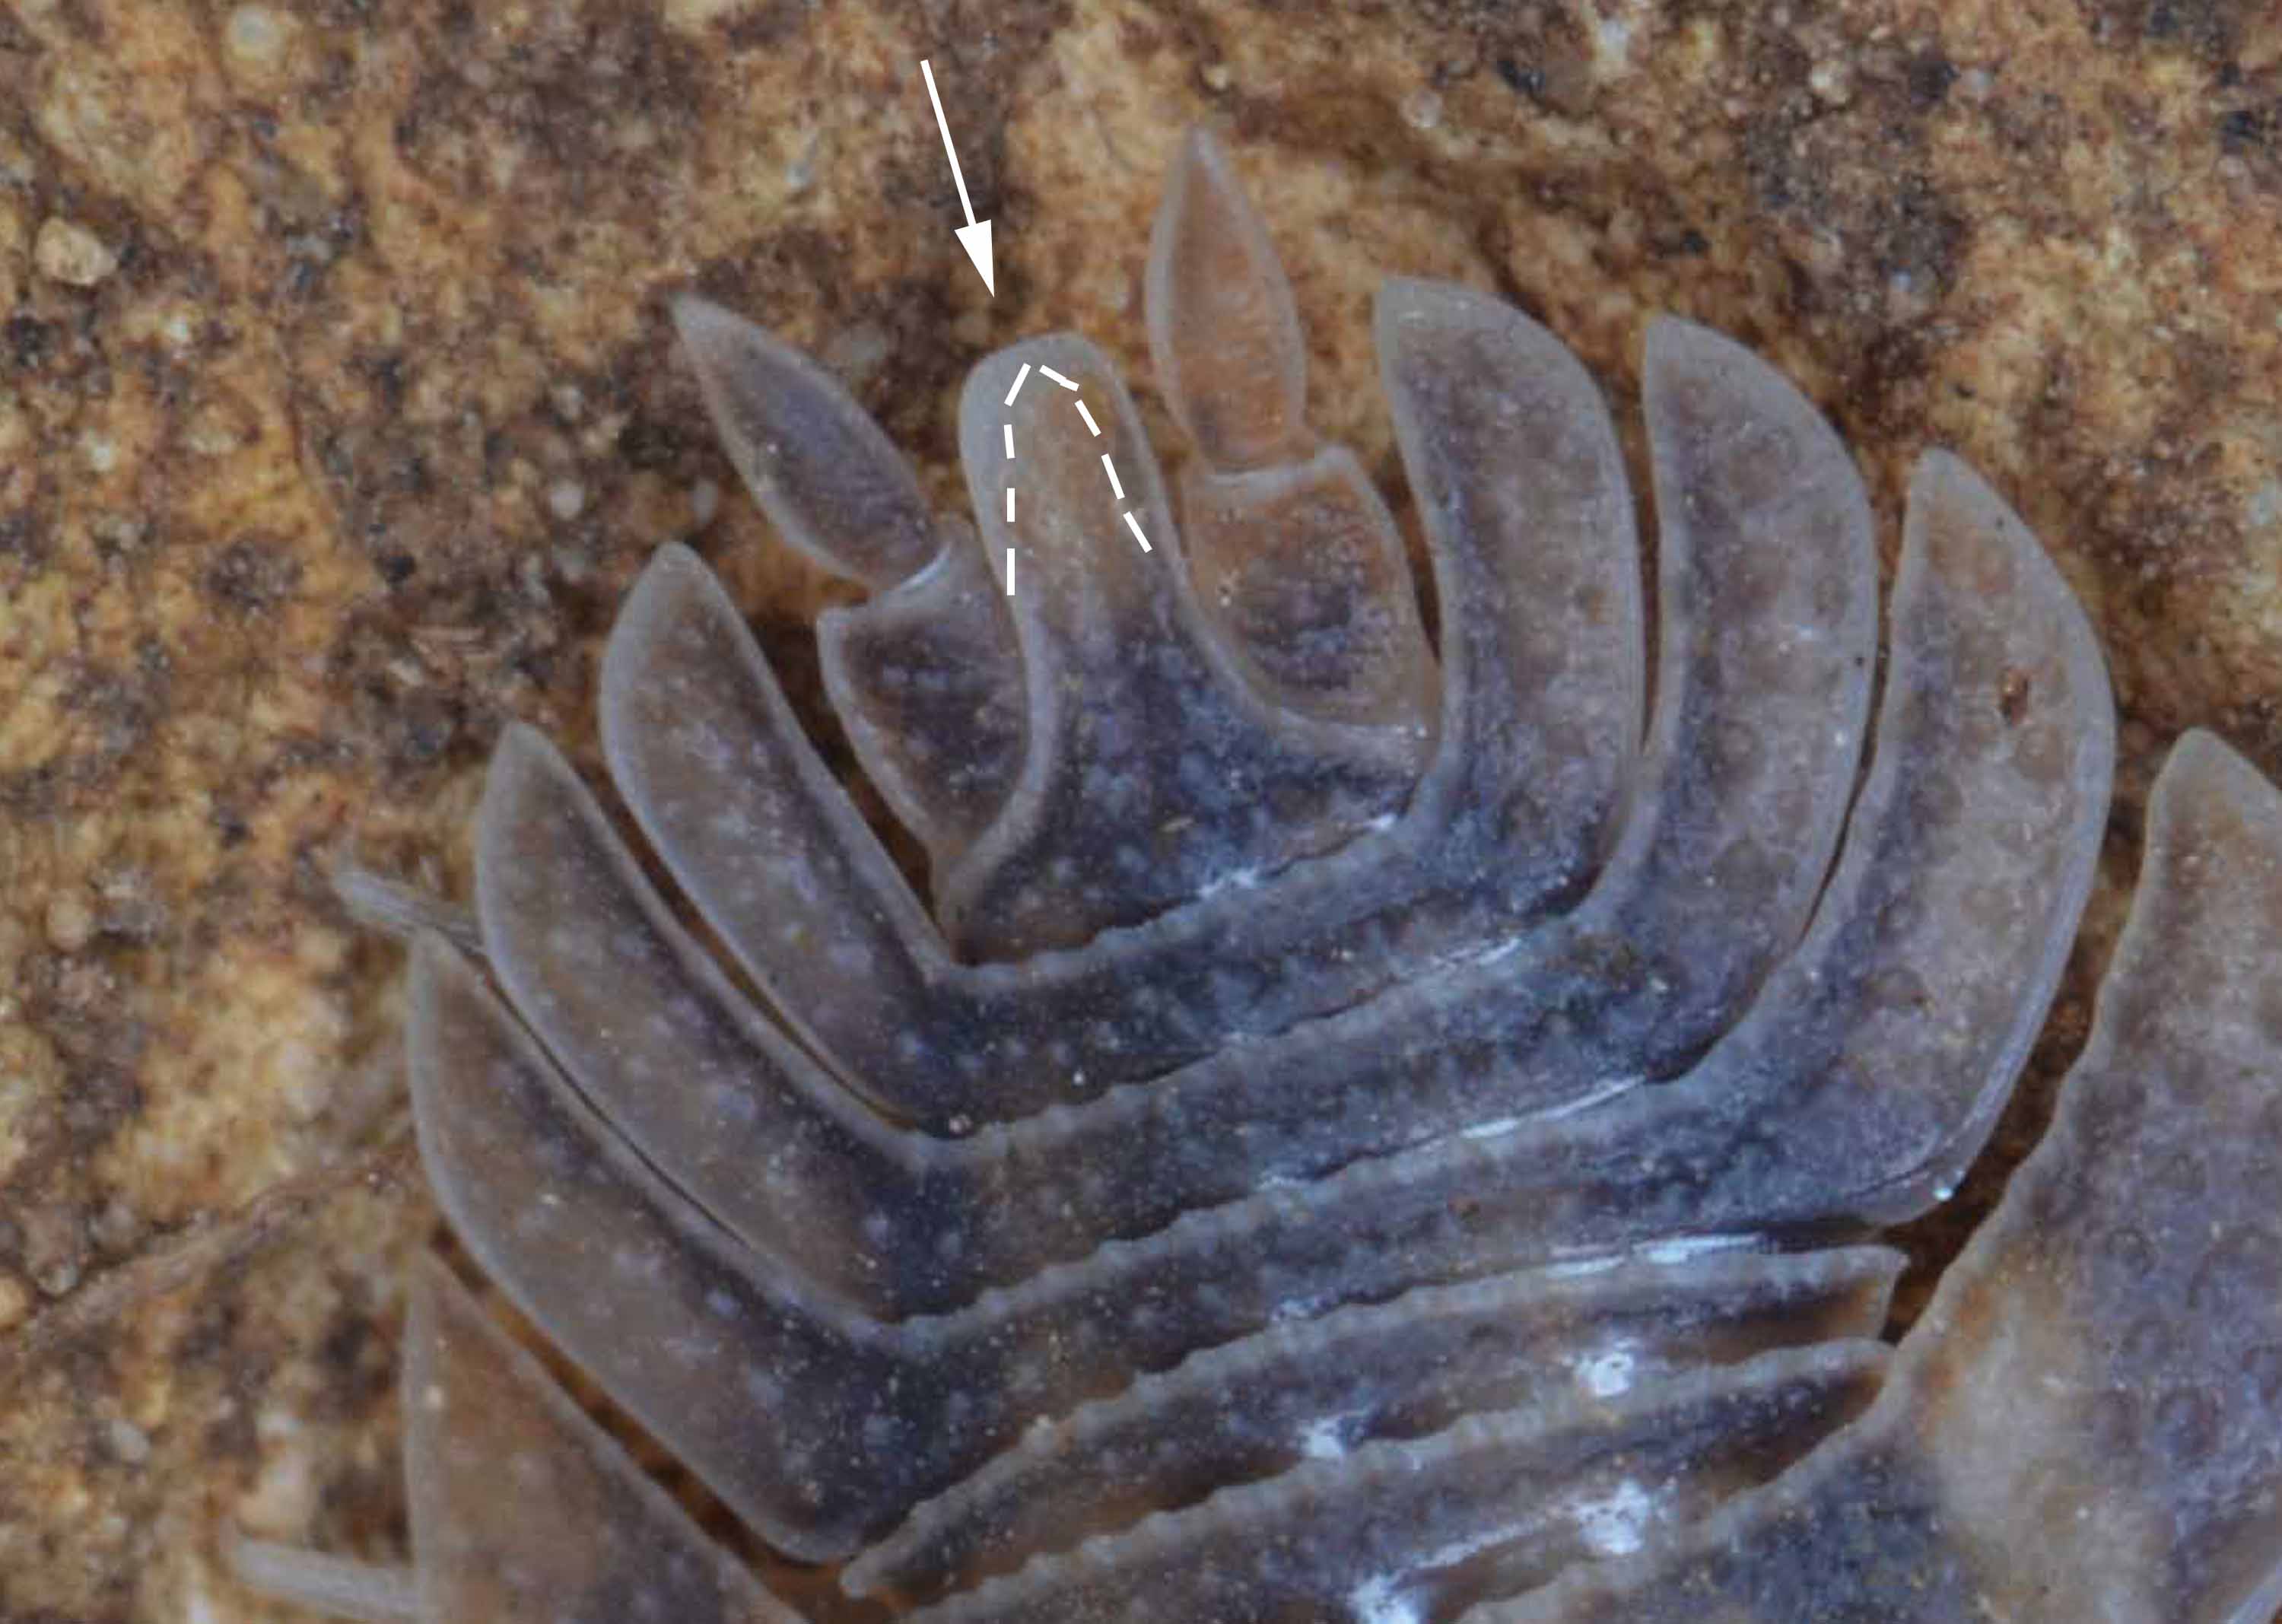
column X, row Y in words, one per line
column 339, row 408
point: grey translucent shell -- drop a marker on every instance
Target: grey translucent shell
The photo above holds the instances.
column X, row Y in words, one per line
column 1357, row 1134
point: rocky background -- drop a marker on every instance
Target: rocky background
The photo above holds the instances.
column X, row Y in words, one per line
column 338, row 407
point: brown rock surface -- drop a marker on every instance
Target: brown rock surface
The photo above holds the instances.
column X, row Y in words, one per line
column 337, row 408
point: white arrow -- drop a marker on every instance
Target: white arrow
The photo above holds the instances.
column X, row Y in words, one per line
column 974, row 236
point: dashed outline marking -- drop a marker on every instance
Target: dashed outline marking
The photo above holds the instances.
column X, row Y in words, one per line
column 1108, row 466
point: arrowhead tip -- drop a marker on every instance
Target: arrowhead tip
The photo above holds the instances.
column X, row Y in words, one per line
column 976, row 240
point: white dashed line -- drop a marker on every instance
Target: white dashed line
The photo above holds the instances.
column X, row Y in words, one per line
column 1116, row 485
